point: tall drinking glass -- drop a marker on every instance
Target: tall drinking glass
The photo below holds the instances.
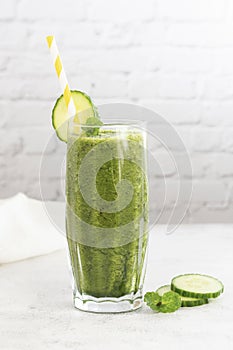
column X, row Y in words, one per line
column 107, row 215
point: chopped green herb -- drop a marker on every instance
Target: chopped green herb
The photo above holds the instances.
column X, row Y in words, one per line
column 95, row 122
column 168, row 302
column 152, row 299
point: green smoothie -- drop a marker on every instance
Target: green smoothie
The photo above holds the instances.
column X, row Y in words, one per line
column 107, row 244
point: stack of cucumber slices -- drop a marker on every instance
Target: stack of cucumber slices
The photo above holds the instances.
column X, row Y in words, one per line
column 197, row 287
column 193, row 290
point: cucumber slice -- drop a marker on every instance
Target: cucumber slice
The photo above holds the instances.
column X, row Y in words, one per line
column 163, row 289
column 197, row 286
column 185, row 301
column 84, row 107
column 190, row 302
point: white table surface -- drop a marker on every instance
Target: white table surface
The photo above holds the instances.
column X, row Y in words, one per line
column 36, row 310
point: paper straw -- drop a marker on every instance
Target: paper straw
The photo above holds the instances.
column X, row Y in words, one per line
column 61, row 75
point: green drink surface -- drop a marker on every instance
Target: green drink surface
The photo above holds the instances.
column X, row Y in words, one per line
column 107, row 243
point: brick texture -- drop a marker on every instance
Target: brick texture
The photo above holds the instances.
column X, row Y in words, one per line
column 174, row 57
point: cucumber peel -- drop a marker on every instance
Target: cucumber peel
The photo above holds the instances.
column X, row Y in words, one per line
column 190, row 302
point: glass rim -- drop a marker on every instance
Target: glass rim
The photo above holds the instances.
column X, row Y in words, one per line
column 111, row 122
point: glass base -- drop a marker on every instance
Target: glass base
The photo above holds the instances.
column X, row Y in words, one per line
column 108, row 305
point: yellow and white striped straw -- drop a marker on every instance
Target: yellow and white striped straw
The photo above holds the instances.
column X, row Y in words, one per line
column 61, row 75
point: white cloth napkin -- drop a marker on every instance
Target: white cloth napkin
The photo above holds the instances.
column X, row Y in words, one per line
column 26, row 230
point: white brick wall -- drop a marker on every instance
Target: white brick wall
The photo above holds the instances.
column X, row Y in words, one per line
column 172, row 56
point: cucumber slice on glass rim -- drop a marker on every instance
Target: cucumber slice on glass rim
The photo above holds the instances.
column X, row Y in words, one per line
column 84, row 107
column 185, row 301
column 197, row 286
